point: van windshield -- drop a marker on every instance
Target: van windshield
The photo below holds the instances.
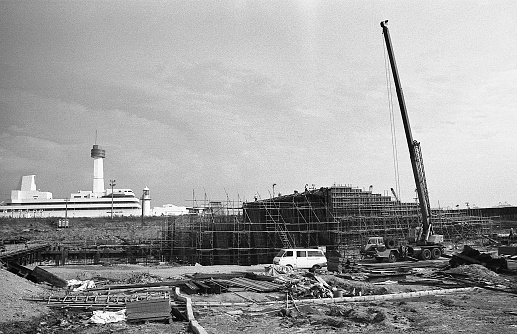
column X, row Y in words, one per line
column 285, row 253
column 281, row 253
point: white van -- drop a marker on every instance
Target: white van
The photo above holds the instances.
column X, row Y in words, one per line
column 301, row 258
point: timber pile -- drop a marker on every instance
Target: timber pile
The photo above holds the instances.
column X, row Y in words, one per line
column 148, row 310
column 99, row 301
column 255, row 285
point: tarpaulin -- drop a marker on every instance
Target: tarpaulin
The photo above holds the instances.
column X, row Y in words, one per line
column 77, row 285
column 105, row 317
column 276, row 270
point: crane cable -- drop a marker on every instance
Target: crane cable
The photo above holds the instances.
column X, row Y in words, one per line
column 392, row 122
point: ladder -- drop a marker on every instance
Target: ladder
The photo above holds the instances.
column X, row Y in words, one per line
column 284, row 237
column 273, row 215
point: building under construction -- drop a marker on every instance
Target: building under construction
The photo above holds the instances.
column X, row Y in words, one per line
column 340, row 217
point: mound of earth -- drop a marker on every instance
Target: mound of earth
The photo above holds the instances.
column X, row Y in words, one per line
column 13, row 290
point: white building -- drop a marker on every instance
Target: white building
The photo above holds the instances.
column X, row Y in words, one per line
column 28, row 202
column 170, row 210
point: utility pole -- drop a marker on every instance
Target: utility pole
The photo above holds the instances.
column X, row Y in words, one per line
column 112, row 184
column 66, row 208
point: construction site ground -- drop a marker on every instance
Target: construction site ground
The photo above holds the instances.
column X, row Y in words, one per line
column 490, row 309
column 478, row 310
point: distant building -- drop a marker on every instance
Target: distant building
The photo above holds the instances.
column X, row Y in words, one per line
column 146, row 202
column 170, row 210
column 28, row 202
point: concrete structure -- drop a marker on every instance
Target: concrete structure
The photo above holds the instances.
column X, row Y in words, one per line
column 146, row 202
column 98, row 156
column 27, row 190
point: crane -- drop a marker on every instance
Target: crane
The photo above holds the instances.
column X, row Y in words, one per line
column 425, row 245
column 395, row 195
column 415, row 154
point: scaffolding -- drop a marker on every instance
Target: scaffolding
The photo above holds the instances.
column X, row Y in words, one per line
column 342, row 217
column 338, row 216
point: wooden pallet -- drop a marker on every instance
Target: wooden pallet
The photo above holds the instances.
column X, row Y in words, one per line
column 148, row 310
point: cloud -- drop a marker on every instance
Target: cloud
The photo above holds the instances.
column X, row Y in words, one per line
column 216, row 84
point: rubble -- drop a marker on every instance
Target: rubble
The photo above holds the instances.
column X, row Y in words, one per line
column 301, row 298
column 308, row 287
column 143, row 278
column 470, row 255
column 474, row 270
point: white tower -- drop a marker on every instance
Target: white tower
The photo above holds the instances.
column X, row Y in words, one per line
column 98, row 156
column 146, row 203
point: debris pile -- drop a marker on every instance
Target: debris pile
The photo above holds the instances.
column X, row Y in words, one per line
column 276, row 270
column 474, row 270
column 142, row 278
column 480, row 276
column 307, row 287
column 470, row 255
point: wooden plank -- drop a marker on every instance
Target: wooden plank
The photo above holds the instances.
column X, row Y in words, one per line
column 146, row 310
column 41, row 275
column 166, row 319
column 261, row 286
column 140, row 285
column 148, row 315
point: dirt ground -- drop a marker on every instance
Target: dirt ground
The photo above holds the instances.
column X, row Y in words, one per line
column 163, row 271
column 479, row 311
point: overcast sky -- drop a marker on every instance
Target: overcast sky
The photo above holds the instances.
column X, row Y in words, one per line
column 223, row 99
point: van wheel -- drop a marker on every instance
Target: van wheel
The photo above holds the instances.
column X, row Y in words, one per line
column 314, row 268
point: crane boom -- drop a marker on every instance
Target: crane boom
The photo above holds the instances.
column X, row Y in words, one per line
column 413, row 146
column 395, row 195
